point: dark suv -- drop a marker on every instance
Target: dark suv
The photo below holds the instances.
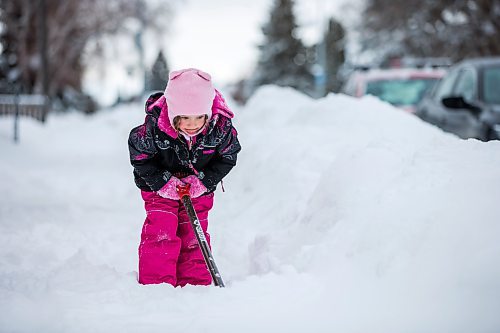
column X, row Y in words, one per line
column 467, row 100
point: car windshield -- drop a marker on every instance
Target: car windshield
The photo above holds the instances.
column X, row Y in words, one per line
column 491, row 85
column 400, row 92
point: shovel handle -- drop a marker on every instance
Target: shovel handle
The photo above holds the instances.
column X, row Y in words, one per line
column 183, row 191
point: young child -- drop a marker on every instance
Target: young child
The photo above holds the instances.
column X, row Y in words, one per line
column 187, row 138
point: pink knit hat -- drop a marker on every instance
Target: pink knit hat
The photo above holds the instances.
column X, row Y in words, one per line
column 189, row 92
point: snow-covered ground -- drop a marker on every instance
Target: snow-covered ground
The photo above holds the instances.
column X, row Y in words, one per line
column 342, row 215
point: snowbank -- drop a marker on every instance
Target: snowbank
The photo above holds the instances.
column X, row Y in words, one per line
column 342, row 215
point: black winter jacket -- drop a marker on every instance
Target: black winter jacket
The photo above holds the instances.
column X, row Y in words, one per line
column 156, row 155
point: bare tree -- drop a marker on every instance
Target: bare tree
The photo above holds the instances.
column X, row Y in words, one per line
column 452, row 28
column 71, row 24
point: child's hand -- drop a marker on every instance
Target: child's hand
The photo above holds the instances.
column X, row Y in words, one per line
column 169, row 190
column 197, row 188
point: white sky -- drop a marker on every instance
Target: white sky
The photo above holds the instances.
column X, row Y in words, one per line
column 218, row 36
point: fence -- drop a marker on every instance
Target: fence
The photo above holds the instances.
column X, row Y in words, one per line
column 34, row 106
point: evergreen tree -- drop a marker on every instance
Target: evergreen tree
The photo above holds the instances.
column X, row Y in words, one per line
column 335, row 54
column 17, row 44
column 283, row 58
column 158, row 78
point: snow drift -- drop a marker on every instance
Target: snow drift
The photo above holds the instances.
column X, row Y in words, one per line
column 342, row 215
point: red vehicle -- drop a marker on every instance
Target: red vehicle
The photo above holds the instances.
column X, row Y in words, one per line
column 402, row 87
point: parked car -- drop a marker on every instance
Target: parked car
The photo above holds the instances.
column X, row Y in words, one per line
column 402, row 87
column 467, row 100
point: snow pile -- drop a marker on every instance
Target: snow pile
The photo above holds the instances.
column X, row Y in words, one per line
column 342, row 215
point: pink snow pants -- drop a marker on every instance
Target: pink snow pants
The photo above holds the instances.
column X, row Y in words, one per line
column 169, row 251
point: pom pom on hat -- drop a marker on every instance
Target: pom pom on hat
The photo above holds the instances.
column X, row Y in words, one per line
column 189, row 92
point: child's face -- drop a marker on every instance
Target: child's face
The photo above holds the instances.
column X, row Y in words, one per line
column 191, row 124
